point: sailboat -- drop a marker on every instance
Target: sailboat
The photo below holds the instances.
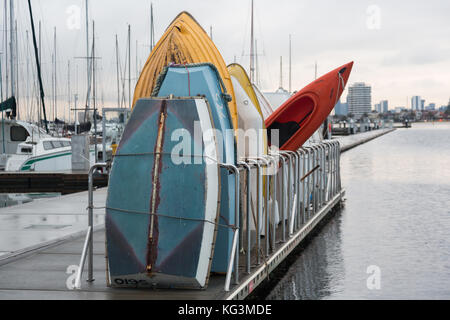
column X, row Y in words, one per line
column 25, row 146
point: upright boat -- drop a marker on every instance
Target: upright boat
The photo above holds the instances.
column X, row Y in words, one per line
column 299, row 117
column 162, row 206
column 204, row 80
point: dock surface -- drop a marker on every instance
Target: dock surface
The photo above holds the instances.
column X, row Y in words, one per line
column 44, row 221
column 46, row 272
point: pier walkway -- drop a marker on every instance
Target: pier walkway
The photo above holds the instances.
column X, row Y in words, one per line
column 349, row 142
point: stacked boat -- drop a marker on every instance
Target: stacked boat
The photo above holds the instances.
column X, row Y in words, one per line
column 170, row 212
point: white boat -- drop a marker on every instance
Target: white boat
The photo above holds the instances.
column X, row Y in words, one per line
column 28, row 148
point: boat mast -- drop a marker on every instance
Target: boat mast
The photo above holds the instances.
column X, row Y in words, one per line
column 252, row 54
column 39, row 59
column 290, row 64
column 88, row 98
column 93, row 92
column 28, row 81
column 137, row 63
column 1, row 100
column 55, row 108
column 5, row 28
column 16, row 77
column 12, row 45
column 38, row 66
column 69, row 94
column 315, row 71
column 281, row 72
column 152, row 29
column 129, row 66
column 257, row 64
column 118, row 72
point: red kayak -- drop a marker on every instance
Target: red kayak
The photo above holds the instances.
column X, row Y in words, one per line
column 299, row 117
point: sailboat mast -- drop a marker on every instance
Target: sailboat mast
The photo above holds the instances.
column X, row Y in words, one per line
column 129, row 66
column 38, row 66
column 88, row 61
column 39, row 55
column 257, row 64
column 315, row 71
column 152, row 29
column 118, row 72
column 69, row 94
column 137, row 63
column 281, row 72
column 252, row 67
column 94, row 91
column 12, row 45
column 290, row 64
column 16, row 48
column 56, row 83
column 28, row 81
column 5, row 28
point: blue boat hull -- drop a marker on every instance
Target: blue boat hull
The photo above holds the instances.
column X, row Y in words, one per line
column 203, row 80
column 162, row 205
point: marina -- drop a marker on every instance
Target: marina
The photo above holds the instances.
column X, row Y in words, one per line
column 43, row 266
column 142, row 158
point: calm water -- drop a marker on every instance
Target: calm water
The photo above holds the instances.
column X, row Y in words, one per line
column 396, row 217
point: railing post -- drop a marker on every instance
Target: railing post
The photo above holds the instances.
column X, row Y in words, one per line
column 274, row 202
column 282, row 196
column 91, row 217
column 259, row 206
column 236, row 220
column 249, row 193
column 88, row 248
column 266, row 223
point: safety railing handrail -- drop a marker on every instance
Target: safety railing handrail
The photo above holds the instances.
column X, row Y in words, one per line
column 309, row 178
column 88, row 248
column 313, row 179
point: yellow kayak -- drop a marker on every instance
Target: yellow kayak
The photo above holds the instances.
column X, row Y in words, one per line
column 237, row 71
column 184, row 42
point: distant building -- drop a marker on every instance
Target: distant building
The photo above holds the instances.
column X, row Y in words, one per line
column 399, row 109
column 377, row 107
column 341, row 109
column 359, row 99
column 422, row 104
column 384, row 106
column 416, row 103
column 431, row 107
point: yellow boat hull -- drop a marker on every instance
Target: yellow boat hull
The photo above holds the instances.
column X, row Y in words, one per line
column 184, row 42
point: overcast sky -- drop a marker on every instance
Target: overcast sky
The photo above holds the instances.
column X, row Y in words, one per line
column 401, row 48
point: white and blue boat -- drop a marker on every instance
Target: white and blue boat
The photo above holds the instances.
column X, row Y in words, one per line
column 163, row 203
column 204, row 80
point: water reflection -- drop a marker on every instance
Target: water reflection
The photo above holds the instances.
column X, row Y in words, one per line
column 396, row 217
column 300, row 283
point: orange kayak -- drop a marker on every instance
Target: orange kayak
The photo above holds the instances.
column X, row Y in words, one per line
column 299, row 117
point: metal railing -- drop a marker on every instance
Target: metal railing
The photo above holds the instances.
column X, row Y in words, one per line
column 88, row 248
column 308, row 179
